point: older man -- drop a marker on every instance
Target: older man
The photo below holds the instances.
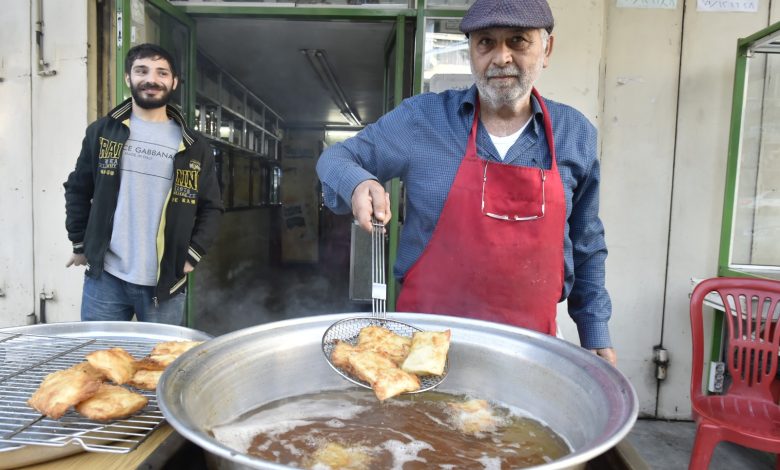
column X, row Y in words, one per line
column 502, row 187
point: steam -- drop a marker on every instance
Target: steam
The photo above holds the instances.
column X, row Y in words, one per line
column 247, row 294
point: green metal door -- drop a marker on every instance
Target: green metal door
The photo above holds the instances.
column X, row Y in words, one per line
column 393, row 95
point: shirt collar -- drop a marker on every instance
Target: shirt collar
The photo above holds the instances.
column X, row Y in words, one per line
column 469, row 100
column 123, row 110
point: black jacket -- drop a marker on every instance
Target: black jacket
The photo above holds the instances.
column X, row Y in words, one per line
column 192, row 213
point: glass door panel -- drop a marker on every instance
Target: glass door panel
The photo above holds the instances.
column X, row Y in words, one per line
column 446, row 62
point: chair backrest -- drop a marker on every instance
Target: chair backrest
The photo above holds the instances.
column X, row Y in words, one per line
column 751, row 309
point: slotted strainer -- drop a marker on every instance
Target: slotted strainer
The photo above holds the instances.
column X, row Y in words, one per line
column 347, row 330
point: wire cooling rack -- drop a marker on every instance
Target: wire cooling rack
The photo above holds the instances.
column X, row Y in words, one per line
column 25, row 360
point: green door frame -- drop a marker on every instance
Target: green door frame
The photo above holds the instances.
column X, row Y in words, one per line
column 395, row 184
column 734, row 151
column 732, row 167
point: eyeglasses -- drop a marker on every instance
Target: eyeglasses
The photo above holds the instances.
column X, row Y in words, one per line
column 512, row 218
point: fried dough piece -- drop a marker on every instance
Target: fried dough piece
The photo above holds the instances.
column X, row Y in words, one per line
column 382, row 340
column 384, row 376
column 393, row 381
column 165, row 353
column 474, row 416
column 146, row 379
column 116, row 363
column 111, row 402
column 87, row 368
column 62, row 389
column 428, row 354
column 340, row 355
column 338, row 457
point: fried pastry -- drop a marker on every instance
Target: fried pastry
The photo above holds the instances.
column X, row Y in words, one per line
column 337, row 457
column 62, row 389
column 165, row 353
column 474, row 416
column 111, row 402
column 116, row 363
column 146, row 379
column 392, row 381
column 87, row 368
column 382, row 340
column 428, row 354
column 340, row 356
column 384, row 376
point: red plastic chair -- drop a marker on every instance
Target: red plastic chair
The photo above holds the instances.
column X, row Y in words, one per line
column 747, row 413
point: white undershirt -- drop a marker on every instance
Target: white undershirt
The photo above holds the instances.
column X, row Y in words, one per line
column 503, row 144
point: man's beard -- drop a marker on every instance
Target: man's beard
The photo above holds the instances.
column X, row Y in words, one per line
column 498, row 96
column 150, row 103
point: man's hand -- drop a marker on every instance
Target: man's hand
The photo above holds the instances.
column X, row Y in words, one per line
column 607, row 353
column 188, row 267
column 369, row 198
column 77, row 259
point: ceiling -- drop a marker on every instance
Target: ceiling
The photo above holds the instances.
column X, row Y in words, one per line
column 264, row 54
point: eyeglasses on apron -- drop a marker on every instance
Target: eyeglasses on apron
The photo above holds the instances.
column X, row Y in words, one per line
column 525, row 210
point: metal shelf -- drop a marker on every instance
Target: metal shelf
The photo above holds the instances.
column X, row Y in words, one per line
column 228, row 111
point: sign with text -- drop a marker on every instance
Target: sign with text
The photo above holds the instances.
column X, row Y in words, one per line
column 728, row 5
column 664, row 4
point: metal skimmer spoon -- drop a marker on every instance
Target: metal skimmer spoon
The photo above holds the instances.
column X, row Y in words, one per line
column 347, row 330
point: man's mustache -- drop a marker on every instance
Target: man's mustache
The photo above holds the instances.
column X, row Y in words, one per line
column 509, row 71
column 151, row 86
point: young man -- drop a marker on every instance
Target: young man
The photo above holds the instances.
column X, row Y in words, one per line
column 501, row 187
column 143, row 204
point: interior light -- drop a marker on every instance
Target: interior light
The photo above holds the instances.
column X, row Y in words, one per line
column 319, row 62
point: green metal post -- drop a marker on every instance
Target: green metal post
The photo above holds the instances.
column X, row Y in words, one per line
column 419, row 48
column 729, row 195
column 395, row 184
column 123, row 22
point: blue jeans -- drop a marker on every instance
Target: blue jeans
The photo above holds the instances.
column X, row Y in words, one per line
column 109, row 298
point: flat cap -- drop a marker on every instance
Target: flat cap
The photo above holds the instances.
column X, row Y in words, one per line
column 485, row 14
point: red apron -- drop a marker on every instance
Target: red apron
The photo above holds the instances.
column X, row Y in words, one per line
column 497, row 250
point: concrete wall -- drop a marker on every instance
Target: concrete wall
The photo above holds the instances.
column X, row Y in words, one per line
column 638, row 138
column 664, row 81
column 16, row 249
column 59, row 119
column 657, row 83
column 706, row 81
column 37, row 162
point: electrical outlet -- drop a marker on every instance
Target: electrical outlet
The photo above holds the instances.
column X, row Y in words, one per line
column 717, row 372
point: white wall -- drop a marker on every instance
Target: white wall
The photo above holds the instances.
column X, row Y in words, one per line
column 575, row 72
column 16, row 248
column 620, row 67
column 706, row 81
column 640, row 99
column 32, row 207
column 663, row 110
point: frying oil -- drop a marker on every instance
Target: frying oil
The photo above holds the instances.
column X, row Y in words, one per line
column 352, row 430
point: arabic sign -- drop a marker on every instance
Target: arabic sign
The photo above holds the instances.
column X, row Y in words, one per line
column 727, row 5
column 664, row 4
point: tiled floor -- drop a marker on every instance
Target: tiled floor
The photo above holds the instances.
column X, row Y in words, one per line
column 667, row 445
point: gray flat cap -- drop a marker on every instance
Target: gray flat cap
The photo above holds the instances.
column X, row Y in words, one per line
column 485, row 14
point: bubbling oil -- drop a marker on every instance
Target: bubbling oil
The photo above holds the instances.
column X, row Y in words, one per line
column 351, row 430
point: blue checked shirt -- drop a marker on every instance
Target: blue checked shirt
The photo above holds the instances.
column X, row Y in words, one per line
column 423, row 140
